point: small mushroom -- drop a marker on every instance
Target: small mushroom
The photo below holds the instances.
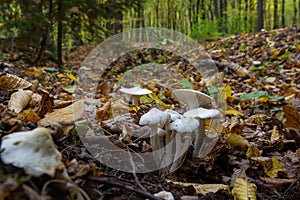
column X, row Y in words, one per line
column 184, row 127
column 201, row 114
column 154, row 119
column 192, row 98
column 135, row 92
column 172, row 116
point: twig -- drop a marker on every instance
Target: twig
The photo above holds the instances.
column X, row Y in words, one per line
column 122, row 185
column 133, row 171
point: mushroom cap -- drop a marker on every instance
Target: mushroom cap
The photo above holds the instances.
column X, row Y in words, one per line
column 34, row 151
column 192, row 98
column 154, row 116
column 135, row 90
column 173, row 114
column 184, row 124
column 202, row 113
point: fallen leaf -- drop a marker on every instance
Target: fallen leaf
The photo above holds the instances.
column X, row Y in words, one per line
column 243, row 190
column 19, row 100
column 234, row 112
column 252, row 152
column 292, row 117
column 105, row 112
column 237, row 142
column 12, row 82
column 202, row 188
column 271, row 166
column 67, row 115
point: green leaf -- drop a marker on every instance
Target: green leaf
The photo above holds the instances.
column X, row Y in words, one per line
column 254, row 68
column 213, row 90
column 49, row 69
column 252, row 95
column 275, row 98
column 186, row 84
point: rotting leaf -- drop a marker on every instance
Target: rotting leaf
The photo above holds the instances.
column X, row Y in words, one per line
column 243, row 190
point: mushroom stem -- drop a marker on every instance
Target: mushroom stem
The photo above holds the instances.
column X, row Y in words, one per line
column 200, row 134
column 135, row 100
column 168, row 145
column 181, row 149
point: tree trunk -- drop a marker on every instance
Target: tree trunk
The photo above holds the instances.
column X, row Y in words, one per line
column 203, row 17
column 295, row 13
column 260, row 17
column 59, row 31
column 275, row 26
column 216, row 9
column 282, row 13
column 246, row 16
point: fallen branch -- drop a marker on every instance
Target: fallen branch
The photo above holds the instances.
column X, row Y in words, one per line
column 122, row 185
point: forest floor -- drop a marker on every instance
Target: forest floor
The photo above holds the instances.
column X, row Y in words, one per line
column 258, row 151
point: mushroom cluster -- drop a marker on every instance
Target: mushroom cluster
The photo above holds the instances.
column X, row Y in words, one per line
column 172, row 133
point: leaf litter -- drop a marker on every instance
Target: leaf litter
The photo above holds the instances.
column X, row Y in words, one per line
column 256, row 157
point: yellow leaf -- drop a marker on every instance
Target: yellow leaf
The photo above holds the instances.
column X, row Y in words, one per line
column 72, row 77
column 203, row 188
column 234, row 112
column 243, row 190
column 134, row 108
column 157, row 100
column 237, row 141
column 271, row 166
column 61, row 75
column 145, row 100
column 252, row 152
column 30, row 115
column 263, row 99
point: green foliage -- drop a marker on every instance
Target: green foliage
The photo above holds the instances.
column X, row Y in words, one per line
column 259, row 94
column 205, row 30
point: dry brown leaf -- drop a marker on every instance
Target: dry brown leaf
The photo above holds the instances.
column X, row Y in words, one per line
column 243, row 190
column 292, row 117
column 256, row 119
column 203, row 188
column 12, row 82
column 65, row 116
column 19, row 100
column 29, row 115
column 105, row 112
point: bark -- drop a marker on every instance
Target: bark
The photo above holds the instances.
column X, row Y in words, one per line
column 282, row 13
column 59, row 31
column 260, row 17
column 275, row 26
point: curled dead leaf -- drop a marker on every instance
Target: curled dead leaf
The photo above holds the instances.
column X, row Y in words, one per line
column 19, row 100
column 243, row 190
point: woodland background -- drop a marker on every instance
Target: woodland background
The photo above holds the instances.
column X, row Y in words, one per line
column 45, row 28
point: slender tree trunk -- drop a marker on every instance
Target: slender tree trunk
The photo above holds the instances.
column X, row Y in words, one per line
column 216, row 9
column 282, row 13
column 203, row 17
column 275, row 26
column 260, row 13
column 59, row 31
column 295, row 13
column 246, row 23
column 223, row 15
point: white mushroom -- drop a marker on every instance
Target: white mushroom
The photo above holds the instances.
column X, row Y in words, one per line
column 136, row 93
column 172, row 116
column 34, row 151
column 192, row 98
column 154, row 119
column 183, row 127
column 201, row 114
